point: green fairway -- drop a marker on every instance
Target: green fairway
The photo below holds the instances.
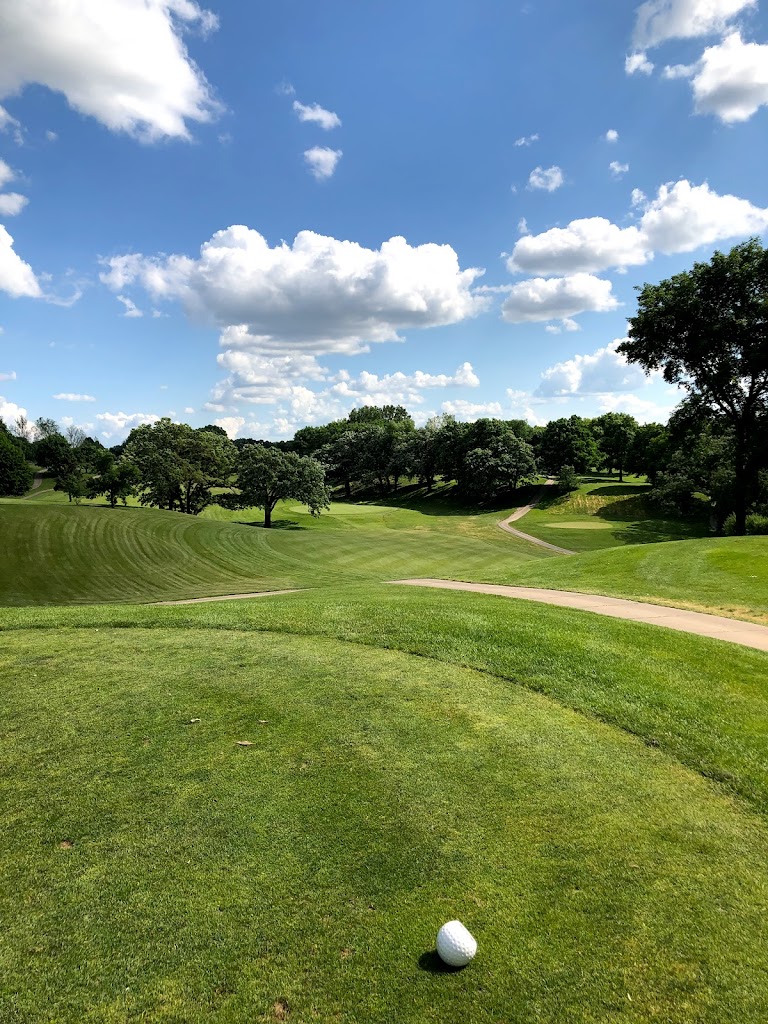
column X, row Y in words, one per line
column 155, row 870
column 67, row 554
column 604, row 513
column 727, row 575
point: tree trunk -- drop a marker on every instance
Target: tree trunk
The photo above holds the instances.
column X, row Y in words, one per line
column 268, row 515
column 740, row 488
column 621, row 474
column 347, row 488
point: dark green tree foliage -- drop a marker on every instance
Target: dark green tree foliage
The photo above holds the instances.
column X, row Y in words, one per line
column 178, row 466
column 707, row 330
column 53, row 452
column 492, row 471
column 649, row 451
column 617, row 433
column 45, row 427
column 343, row 458
column 116, row 479
column 268, row 475
column 15, row 472
column 377, row 413
column 568, row 442
column 568, row 479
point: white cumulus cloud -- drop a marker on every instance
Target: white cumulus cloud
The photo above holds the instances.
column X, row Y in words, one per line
column 600, row 372
column 731, row 79
column 69, row 396
column 9, row 411
column 548, row 179
column 526, row 140
column 317, row 115
column 661, row 20
column 611, row 135
column 317, row 295
column 131, row 309
column 232, row 425
column 10, row 375
column 638, row 63
column 470, row 411
column 558, row 297
column 12, row 203
column 618, row 170
column 681, row 218
column 122, row 62
column 120, row 424
column 16, row 277
column 322, row 161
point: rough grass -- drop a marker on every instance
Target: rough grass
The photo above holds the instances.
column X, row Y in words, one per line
column 154, row 870
column 727, row 575
column 604, row 513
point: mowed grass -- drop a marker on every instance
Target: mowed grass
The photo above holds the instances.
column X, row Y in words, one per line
column 415, row 757
column 66, row 554
column 604, row 513
column 726, row 575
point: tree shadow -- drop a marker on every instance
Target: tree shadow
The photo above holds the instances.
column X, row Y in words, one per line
column 277, row 524
column 621, row 489
column 431, row 962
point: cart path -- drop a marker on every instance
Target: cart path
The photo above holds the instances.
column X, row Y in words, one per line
column 228, row 597
column 748, row 634
column 504, row 523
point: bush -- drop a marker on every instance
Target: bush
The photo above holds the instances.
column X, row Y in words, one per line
column 757, row 525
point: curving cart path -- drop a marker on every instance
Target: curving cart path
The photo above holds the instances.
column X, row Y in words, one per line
column 504, row 524
column 748, row 634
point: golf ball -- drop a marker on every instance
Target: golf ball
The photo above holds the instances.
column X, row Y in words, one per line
column 455, row 946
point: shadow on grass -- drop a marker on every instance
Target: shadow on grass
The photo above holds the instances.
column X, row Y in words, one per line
column 432, row 963
column 444, row 500
column 277, row 524
column 621, row 489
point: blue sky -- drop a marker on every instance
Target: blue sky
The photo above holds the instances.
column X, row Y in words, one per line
column 315, row 206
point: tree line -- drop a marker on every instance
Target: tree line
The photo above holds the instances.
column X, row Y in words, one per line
column 705, row 330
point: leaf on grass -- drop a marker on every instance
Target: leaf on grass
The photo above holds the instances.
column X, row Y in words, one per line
column 244, row 743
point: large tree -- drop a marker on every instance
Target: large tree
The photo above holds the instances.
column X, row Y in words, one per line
column 706, row 329
column 617, row 432
column 15, row 472
column 177, row 465
column 268, row 475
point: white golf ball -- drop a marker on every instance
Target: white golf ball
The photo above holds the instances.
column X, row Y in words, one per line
column 455, row 946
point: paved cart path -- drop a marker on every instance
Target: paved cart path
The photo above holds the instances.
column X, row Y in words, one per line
column 504, row 523
column 749, row 634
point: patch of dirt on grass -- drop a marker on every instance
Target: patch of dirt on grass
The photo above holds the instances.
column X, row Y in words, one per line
column 281, row 1010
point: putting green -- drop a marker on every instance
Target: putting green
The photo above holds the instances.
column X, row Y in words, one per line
column 580, row 524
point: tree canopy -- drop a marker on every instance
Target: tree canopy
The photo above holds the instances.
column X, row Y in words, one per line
column 706, row 329
column 268, row 475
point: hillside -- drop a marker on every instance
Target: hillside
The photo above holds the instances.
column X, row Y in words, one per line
column 64, row 554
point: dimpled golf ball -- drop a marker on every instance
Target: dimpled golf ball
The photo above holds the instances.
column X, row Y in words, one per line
column 455, row 946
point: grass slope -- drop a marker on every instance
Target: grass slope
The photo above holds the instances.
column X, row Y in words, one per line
column 727, row 575
column 153, row 870
column 604, row 513
column 66, row 554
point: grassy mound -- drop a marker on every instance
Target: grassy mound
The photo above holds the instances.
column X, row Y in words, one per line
column 604, row 513
column 727, row 575
column 65, row 554
column 154, row 869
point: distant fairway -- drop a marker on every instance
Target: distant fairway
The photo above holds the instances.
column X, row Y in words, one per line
column 402, row 771
column 55, row 553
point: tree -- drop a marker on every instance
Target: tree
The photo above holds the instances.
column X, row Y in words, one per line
column 75, row 435
column 15, row 472
column 178, row 466
column 53, row 452
column 618, row 431
column 268, row 475
column 568, row 442
column 706, row 329
column 116, row 479
column 45, row 427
